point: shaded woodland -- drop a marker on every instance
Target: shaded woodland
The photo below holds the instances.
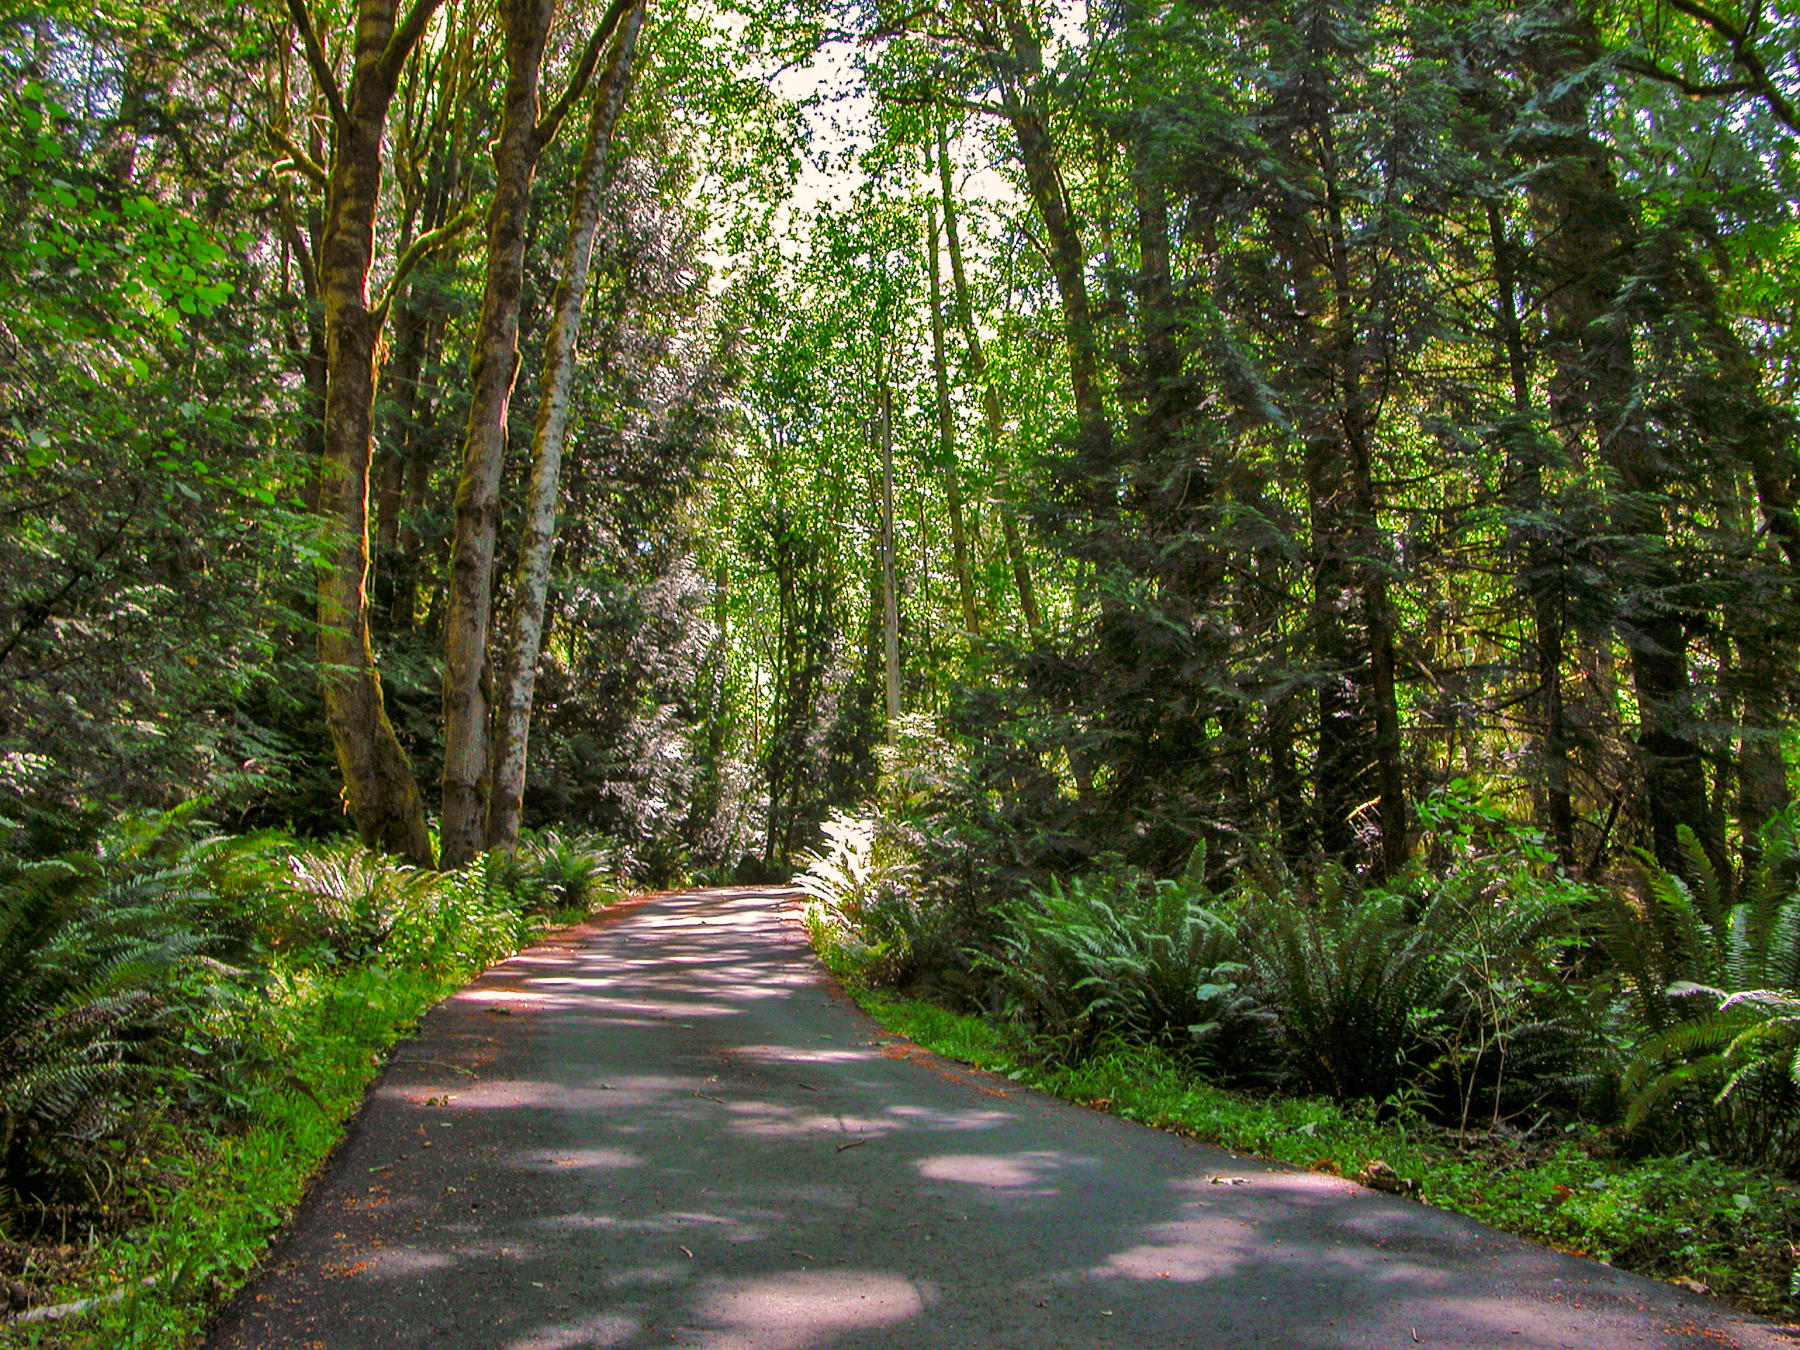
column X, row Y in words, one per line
column 1154, row 505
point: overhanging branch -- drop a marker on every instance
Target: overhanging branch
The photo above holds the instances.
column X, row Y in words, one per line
column 417, row 252
column 321, row 68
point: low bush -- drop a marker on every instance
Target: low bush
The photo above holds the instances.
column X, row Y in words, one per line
column 1118, row 953
column 106, row 994
column 863, row 910
column 1710, row 1006
column 1448, row 987
column 186, row 1019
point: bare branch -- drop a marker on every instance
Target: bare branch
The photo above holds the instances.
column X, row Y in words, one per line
column 417, row 252
column 941, row 100
column 1743, row 54
column 406, row 37
column 297, row 161
column 545, row 131
column 1651, row 71
column 321, row 68
column 296, row 241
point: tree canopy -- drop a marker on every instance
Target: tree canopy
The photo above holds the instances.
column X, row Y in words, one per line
column 1224, row 424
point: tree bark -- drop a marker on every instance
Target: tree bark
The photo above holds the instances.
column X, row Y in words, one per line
column 532, row 579
column 946, row 424
column 1543, row 576
column 990, row 396
column 1370, row 564
column 890, row 599
column 461, row 829
column 1590, row 234
column 380, row 791
column 1351, row 619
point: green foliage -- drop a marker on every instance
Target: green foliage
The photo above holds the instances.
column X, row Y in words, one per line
column 1452, row 992
column 1372, row 988
column 351, row 901
column 167, row 1106
column 551, row 874
column 104, row 993
column 1716, row 1017
column 1116, row 953
column 145, row 452
column 862, row 882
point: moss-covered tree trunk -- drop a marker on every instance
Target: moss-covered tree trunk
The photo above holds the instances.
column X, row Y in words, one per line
column 380, row 791
column 531, row 586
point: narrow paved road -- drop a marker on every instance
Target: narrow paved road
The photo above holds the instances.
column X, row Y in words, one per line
column 669, row 1130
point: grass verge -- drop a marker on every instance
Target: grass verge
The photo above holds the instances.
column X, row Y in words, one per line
column 1690, row 1219
column 213, row 1196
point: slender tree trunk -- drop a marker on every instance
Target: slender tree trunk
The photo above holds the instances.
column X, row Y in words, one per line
column 470, row 599
column 380, row 791
column 1543, row 565
column 1370, row 567
column 1590, row 235
column 531, row 585
column 940, row 371
column 890, row 599
column 1759, row 437
column 1351, row 621
column 990, row 396
column 1068, row 266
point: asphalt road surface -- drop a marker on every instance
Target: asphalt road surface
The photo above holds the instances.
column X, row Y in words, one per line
column 669, row 1129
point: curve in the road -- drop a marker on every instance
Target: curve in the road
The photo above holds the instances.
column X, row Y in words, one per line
column 668, row 1129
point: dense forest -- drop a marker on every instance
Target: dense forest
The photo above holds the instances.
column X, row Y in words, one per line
column 1265, row 533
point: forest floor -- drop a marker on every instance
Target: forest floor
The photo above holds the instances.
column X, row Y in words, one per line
column 671, row 1128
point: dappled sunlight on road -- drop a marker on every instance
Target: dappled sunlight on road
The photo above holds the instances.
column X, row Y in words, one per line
column 795, row 1309
column 604, row 1158
column 673, row 1132
column 1180, row 1259
column 587, row 1333
column 1027, row 1172
column 725, row 1227
column 392, row 1262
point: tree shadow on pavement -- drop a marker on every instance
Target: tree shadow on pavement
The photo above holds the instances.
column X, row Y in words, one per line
column 670, row 1130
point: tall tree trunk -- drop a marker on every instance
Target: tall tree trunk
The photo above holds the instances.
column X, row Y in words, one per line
column 890, row 599
column 379, row 788
column 946, row 425
column 1370, row 566
column 461, row 829
column 1543, row 576
column 1759, row 437
column 990, row 396
column 1328, row 372
column 1068, row 266
column 1590, row 234
column 531, row 586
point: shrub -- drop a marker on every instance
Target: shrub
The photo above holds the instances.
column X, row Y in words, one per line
column 1711, row 1001
column 864, row 912
column 1379, row 988
column 550, row 873
column 350, row 900
column 100, row 963
column 1117, row 954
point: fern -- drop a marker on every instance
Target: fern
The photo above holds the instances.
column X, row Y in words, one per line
column 1374, row 988
column 1117, row 955
column 563, row 873
column 352, row 899
column 862, row 882
column 1713, row 996
column 92, row 948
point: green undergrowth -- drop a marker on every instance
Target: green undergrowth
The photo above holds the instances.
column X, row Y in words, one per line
column 216, row 1199
column 209, row 1114
column 1687, row 1218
